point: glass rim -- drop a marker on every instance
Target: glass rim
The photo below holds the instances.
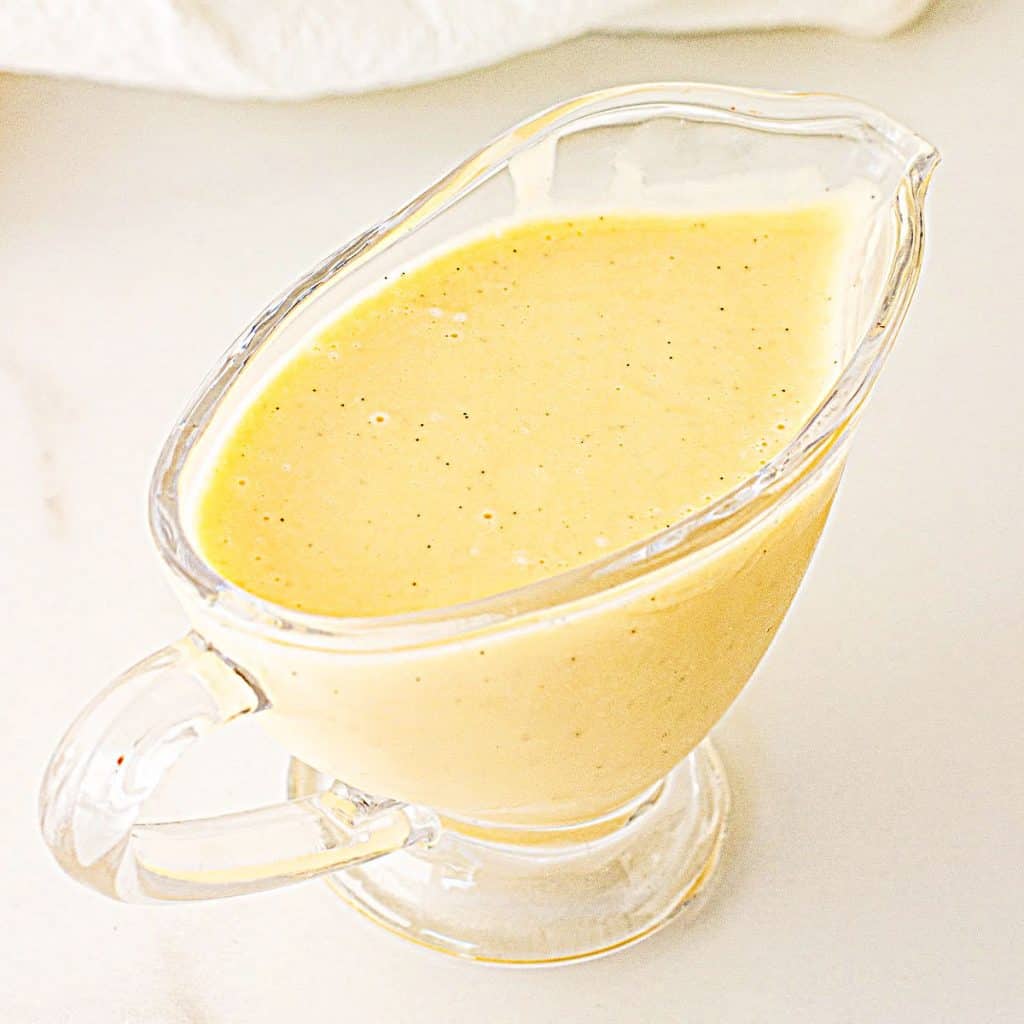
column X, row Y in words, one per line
column 814, row 446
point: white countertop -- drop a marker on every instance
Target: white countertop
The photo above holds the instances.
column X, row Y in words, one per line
column 874, row 867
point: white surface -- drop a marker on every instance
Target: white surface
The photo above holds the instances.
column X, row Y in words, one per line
column 873, row 872
column 301, row 48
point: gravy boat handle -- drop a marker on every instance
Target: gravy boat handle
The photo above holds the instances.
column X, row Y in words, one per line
column 126, row 742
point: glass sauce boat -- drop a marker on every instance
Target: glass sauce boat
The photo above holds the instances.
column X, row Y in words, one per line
column 476, row 842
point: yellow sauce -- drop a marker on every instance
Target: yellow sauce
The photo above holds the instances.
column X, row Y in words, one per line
column 524, row 403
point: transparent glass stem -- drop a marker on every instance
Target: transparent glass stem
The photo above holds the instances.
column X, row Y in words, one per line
column 124, row 744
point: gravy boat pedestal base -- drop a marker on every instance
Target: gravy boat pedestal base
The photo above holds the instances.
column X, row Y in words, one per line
column 522, row 896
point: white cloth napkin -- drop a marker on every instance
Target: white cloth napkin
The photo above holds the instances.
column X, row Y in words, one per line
column 300, row 48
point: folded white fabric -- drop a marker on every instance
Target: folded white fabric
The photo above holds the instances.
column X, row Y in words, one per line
column 300, row 48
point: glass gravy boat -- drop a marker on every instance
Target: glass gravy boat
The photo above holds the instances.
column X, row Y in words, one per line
column 550, row 791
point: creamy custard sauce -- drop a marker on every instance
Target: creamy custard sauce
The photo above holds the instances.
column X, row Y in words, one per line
column 525, row 403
